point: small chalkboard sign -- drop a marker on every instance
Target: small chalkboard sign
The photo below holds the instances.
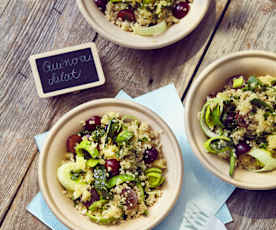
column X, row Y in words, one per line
column 67, row 70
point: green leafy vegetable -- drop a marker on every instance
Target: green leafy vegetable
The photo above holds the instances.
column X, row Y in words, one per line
column 233, row 160
column 119, row 179
column 216, row 114
column 87, row 147
column 124, row 136
column 238, row 82
column 100, row 178
column 261, row 104
column 218, row 144
column 113, row 128
column 91, row 163
column 253, row 82
column 97, row 134
column 208, row 118
column 97, row 205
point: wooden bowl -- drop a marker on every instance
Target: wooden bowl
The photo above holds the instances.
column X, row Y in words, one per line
column 55, row 148
column 127, row 39
column 210, row 80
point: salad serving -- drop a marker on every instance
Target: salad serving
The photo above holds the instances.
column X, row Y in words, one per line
column 144, row 17
column 113, row 169
column 240, row 122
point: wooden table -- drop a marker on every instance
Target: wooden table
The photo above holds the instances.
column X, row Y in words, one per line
column 28, row 27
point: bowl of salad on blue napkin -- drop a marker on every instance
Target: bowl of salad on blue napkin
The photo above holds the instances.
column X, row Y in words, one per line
column 110, row 163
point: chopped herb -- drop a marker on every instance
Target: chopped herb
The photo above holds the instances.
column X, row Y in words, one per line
column 100, row 178
column 261, row 104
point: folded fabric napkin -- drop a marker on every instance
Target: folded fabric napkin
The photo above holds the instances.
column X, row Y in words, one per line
column 201, row 204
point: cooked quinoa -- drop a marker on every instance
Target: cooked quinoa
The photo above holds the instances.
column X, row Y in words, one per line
column 113, row 169
column 138, row 15
column 240, row 121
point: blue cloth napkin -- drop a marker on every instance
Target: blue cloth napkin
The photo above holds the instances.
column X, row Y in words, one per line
column 203, row 195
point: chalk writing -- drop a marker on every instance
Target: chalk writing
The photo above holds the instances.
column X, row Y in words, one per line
column 67, row 70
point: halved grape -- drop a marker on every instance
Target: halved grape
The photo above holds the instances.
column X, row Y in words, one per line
column 150, row 155
column 72, row 141
column 131, row 198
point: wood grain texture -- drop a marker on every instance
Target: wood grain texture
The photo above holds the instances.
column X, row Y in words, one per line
column 18, row 217
column 55, row 24
column 3, row 6
column 254, row 210
column 247, row 24
column 23, row 114
column 15, row 102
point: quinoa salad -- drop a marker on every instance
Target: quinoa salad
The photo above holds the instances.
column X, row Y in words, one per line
column 240, row 122
column 114, row 168
column 144, row 17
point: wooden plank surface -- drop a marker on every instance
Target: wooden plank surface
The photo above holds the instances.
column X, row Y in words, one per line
column 22, row 219
column 46, row 25
column 247, row 24
column 3, row 6
column 18, row 26
column 23, row 114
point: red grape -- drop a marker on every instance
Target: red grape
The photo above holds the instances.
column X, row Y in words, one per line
column 72, row 141
column 101, row 4
column 242, row 148
column 150, row 155
column 181, row 9
column 112, row 166
column 131, row 198
column 91, row 123
column 94, row 197
column 126, row 15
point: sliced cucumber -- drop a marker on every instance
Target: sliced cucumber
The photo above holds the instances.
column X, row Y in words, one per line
column 224, row 141
column 208, row 132
column 157, row 170
column 151, row 30
column 265, row 157
column 154, row 179
column 64, row 175
column 101, row 220
column 97, row 205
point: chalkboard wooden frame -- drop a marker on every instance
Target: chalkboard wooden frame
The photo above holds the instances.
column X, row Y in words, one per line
column 38, row 82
